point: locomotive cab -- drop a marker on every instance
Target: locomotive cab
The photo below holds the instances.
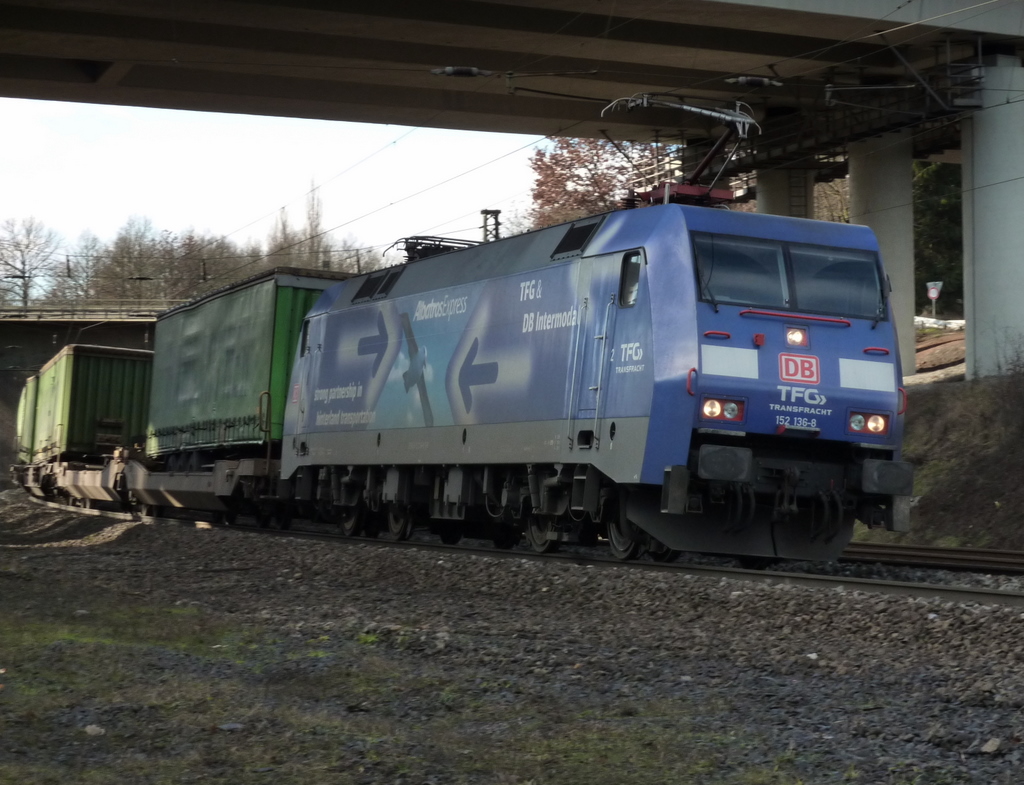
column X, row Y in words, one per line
column 794, row 390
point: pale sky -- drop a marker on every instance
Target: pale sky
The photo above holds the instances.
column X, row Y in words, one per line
column 84, row 167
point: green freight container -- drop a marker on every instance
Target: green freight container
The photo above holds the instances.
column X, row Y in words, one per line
column 224, row 361
column 27, row 419
column 89, row 400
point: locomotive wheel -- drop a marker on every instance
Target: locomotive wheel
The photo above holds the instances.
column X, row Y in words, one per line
column 622, row 540
column 400, row 522
column 351, row 520
column 537, row 534
column 660, row 552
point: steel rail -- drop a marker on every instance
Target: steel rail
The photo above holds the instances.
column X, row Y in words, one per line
column 961, row 559
column 923, row 591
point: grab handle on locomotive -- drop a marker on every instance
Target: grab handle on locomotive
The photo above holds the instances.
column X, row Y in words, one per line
column 263, row 414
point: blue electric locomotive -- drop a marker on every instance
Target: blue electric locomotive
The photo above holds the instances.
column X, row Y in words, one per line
column 669, row 378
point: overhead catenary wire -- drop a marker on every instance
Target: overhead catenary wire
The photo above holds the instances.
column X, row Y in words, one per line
column 609, row 28
column 306, row 239
column 386, row 206
column 432, row 117
column 781, row 140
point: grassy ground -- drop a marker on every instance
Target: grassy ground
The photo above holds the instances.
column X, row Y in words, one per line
column 100, row 687
column 966, row 440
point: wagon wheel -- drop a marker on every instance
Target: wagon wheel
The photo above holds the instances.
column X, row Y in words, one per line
column 400, row 522
column 537, row 527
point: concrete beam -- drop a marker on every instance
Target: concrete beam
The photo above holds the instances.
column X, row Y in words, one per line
column 882, row 198
column 956, row 14
column 993, row 190
column 787, row 192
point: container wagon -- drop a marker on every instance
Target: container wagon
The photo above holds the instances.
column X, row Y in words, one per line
column 88, row 401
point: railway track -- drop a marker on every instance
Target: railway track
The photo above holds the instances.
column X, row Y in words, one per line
column 960, row 559
column 859, row 552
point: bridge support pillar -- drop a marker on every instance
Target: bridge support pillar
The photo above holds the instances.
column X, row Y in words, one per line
column 993, row 191
column 881, row 198
column 787, row 192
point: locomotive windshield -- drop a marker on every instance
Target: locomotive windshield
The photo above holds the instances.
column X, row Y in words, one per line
column 791, row 276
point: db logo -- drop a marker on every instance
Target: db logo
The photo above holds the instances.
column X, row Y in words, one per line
column 799, row 368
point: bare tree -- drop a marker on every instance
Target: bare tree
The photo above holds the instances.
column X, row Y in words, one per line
column 132, row 265
column 27, row 257
column 832, row 201
column 79, row 278
column 282, row 242
column 352, row 256
column 317, row 246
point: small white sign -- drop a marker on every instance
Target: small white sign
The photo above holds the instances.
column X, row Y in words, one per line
column 934, row 288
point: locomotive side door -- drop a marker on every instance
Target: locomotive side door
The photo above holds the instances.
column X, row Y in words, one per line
column 598, row 284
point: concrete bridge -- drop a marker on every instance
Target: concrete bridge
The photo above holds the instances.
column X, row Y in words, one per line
column 836, row 86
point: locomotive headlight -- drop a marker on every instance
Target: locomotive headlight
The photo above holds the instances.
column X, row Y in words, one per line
column 712, row 408
column 796, row 336
column 877, row 423
column 874, row 424
column 722, row 409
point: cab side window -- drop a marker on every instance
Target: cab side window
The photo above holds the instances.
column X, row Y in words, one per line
column 305, row 339
column 629, row 280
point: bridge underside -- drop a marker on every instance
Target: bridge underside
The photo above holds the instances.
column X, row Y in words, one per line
column 547, row 67
column 830, row 78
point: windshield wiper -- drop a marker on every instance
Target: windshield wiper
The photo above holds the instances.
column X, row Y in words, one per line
column 706, row 290
column 711, row 297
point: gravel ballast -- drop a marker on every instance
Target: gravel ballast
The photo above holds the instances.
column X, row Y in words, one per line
column 461, row 668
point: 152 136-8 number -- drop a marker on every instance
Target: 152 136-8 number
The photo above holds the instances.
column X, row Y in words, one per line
column 796, row 422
